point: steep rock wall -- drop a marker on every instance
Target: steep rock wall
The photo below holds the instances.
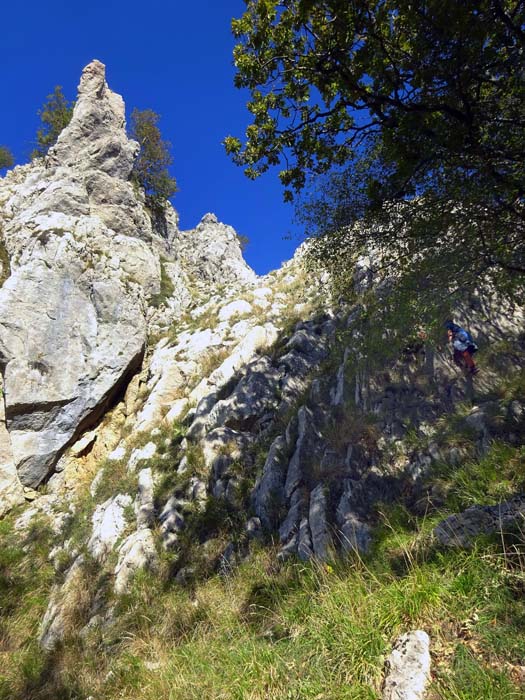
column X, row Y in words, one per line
column 72, row 312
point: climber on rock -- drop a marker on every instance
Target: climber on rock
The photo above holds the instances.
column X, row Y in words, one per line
column 464, row 347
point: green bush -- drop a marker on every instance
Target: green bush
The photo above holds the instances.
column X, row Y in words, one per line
column 154, row 159
column 6, row 158
column 55, row 115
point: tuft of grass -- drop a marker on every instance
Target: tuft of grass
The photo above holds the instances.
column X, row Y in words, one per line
column 166, row 286
column 5, row 267
column 495, row 477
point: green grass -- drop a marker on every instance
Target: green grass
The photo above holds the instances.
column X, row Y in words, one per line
column 5, row 268
column 277, row 631
column 166, row 286
column 496, row 477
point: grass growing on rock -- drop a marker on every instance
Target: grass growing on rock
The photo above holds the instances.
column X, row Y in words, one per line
column 280, row 631
column 166, row 286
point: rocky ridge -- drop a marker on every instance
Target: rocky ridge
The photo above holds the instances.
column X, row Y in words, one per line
column 231, row 395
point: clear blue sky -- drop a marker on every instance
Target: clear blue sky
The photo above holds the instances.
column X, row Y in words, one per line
column 171, row 56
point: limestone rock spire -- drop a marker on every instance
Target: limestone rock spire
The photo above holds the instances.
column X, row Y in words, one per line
column 96, row 137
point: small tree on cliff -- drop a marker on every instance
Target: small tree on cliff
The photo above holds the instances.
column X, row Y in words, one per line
column 6, row 158
column 154, row 159
column 55, row 115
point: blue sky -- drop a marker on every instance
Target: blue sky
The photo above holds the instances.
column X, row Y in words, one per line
column 171, row 56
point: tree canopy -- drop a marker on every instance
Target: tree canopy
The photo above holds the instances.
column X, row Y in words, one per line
column 55, row 115
column 154, row 159
column 413, row 113
column 6, row 158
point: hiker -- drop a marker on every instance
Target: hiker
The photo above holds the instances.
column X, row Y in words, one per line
column 464, row 346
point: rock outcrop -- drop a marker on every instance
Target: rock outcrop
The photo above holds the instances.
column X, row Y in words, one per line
column 72, row 313
column 461, row 529
column 211, row 252
column 408, row 667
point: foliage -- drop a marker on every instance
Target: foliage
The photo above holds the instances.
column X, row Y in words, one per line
column 415, row 110
column 6, row 158
column 5, row 264
column 55, row 115
column 166, row 286
column 243, row 241
column 154, row 159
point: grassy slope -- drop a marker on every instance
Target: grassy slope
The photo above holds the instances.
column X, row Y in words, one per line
column 293, row 630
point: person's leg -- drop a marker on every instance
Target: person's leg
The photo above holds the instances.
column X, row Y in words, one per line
column 458, row 357
column 469, row 362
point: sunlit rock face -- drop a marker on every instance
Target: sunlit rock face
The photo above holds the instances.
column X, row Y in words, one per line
column 211, row 251
column 72, row 312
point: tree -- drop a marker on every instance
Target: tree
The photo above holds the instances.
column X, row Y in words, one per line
column 55, row 115
column 154, row 159
column 413, row 113
column 6, row 158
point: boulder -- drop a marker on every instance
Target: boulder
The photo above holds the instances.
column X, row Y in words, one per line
column 136, row 552
column 268, row 494
column 233, row 309
column 318, row 521
column 408, row 667
column 308, row 448
column 461, row 529
column 253, row 396
column 171, row 521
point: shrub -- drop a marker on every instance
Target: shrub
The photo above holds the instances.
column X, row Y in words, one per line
column 6, row 158
column 55, row 115
column 151, row 166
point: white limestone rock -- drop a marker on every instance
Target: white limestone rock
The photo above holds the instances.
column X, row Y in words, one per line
column 234, row 309
column 258, row 338
column 51, row 508
column 241, row 329
column 169, row 376
column 408, row 667
column 268, row 494
column 118, row 453
column 83, row 445
column 177, row 410
column 136, row 552
column 195, row 345
column 108, row 524
column 72, row 313
column 144, row 501
column 141, row 453
column 319, row 526
column 212, row 252
column 11, row 490
column 262, row 293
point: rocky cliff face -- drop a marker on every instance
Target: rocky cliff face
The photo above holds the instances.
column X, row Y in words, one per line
column 151, row 372
column 73, row 310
